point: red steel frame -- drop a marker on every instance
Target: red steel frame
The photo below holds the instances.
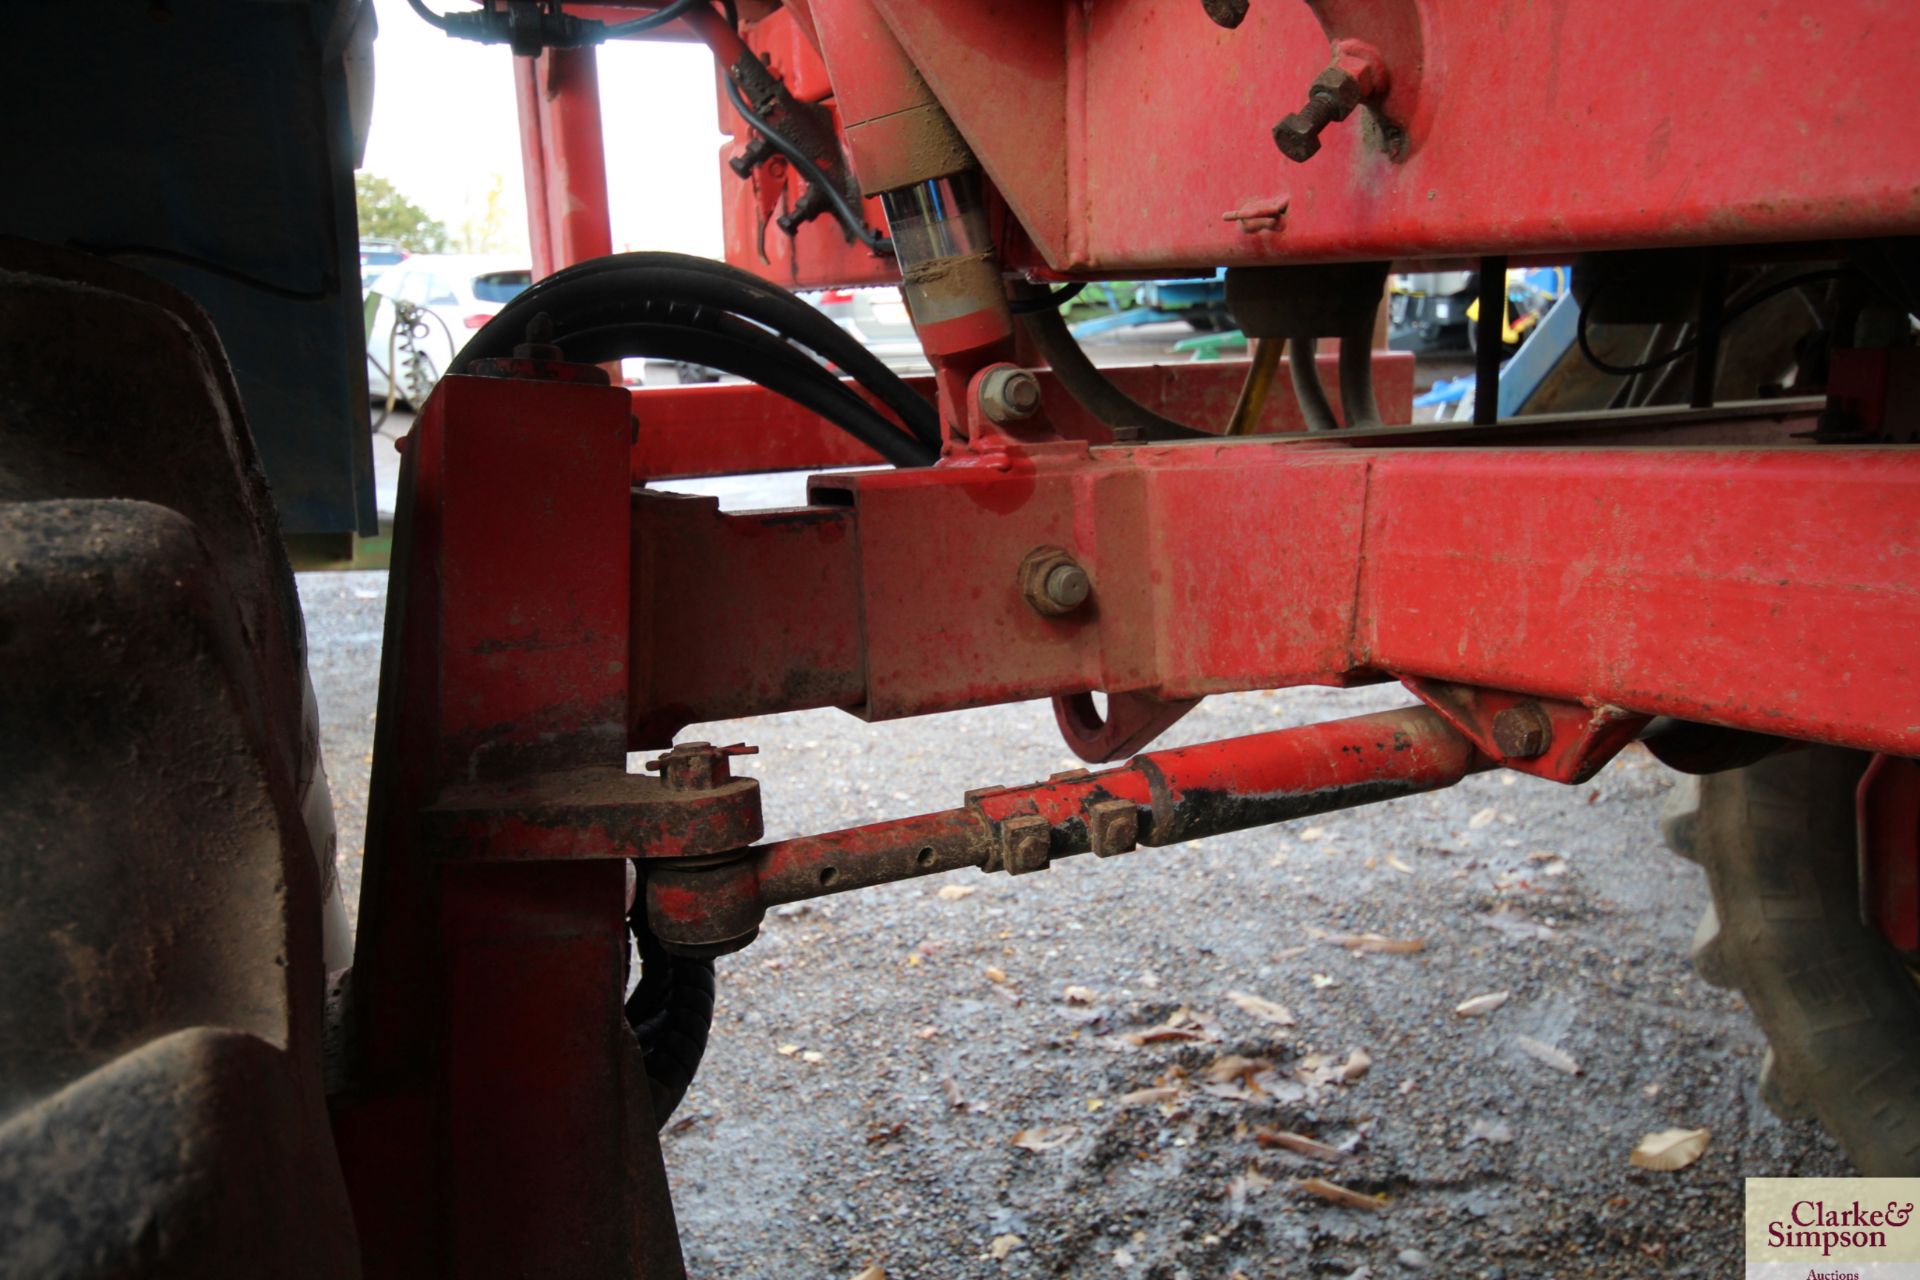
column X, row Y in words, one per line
column 1541, row 601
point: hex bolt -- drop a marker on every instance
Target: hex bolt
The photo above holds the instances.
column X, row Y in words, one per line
column 1053, row 581
column 1025, row 844
column 1009, row 394
column 1113, row 827
column 1522, row 732
column 698, row 766
column 1355, row 75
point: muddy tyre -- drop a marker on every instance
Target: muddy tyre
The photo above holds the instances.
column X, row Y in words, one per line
column 1839, row 1008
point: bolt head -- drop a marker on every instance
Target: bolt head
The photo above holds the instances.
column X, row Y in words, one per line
column 1026, row 844
column 1053, row 582
column 1067, row 586
column 1008, row 394
column 1522, row 732
column 1113, row 827
column 1298, row 137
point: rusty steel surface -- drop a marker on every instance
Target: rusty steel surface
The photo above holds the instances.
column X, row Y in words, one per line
column 1544, row 571
column 1158, row 799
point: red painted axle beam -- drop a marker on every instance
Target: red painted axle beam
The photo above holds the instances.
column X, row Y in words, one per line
column 1700, row 584
column 1158, row 799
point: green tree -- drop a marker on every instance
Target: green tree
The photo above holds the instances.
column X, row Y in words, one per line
column 385, row 214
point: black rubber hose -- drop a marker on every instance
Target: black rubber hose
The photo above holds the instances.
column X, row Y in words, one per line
column 604, row 285
column 1357, row 403
column 670, row 1013
column 1090, row 388
column 798, row 379
column 1314, row 409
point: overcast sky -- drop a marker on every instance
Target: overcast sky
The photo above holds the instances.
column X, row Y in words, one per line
column 444, row 125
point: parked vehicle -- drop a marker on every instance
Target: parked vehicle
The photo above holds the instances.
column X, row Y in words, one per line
column 1427, row 310
column 422, row 310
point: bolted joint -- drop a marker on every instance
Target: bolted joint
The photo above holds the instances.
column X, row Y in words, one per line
column 1009, row 394
column 1026, row 844
column 1113, row 827
column 1354, row 76
column 698, row 766
column 1053, row 581
column 1522, row 732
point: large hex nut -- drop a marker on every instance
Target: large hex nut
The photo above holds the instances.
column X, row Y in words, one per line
column 1522, row 731
column 1053, row 581
column 1009, row 394
column 1113, row 826
column 1026, row 844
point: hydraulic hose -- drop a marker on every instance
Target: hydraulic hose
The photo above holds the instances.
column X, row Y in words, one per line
column 1315, row 411
column 670, row 1014
column 1253, row 392
column 1090, row 388
column 625, row 286
column 788, row 374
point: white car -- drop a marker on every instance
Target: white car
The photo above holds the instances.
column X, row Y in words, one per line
column 422, row 310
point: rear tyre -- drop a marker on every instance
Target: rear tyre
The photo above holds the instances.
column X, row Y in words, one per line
column 1839, row 1008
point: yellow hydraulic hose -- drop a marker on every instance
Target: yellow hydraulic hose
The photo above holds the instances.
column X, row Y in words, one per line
column 1253, row 392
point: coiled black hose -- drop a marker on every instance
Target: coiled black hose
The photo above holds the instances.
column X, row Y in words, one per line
column 673, row 289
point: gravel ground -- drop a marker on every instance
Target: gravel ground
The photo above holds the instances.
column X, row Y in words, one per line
column 875, row 1056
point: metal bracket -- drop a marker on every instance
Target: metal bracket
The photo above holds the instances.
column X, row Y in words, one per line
column 1561, row 741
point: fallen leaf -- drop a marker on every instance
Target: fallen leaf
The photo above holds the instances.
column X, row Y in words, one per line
column 1489, row 1131
column 1558, row 1059
column 1233, row 1066
column 1044, row 1138
column 1482, row 818
column 874, row 1272
column 1182, row 1024
column 1321, row 982
column 1479, row 1005
column 1334, row 1193
column 1289, row 953
column 996, row 975
column 1376, row 943
column 787, row 1050
column 1263, row 1009
column 1399, row 866
column 813, row 1057
column 1313, row 833
column 887, row 1134
column 1317, row 1069
column 1516, row 925
column 1299, row 1144
column 1670, row 1149
column 1078, row 995
column 927, row 1033
column 1143, row 1097
column 955, row 892
column 1004, row 1245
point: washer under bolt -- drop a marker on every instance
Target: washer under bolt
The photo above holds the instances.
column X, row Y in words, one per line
column 1009, row 394
column 1522, row 731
